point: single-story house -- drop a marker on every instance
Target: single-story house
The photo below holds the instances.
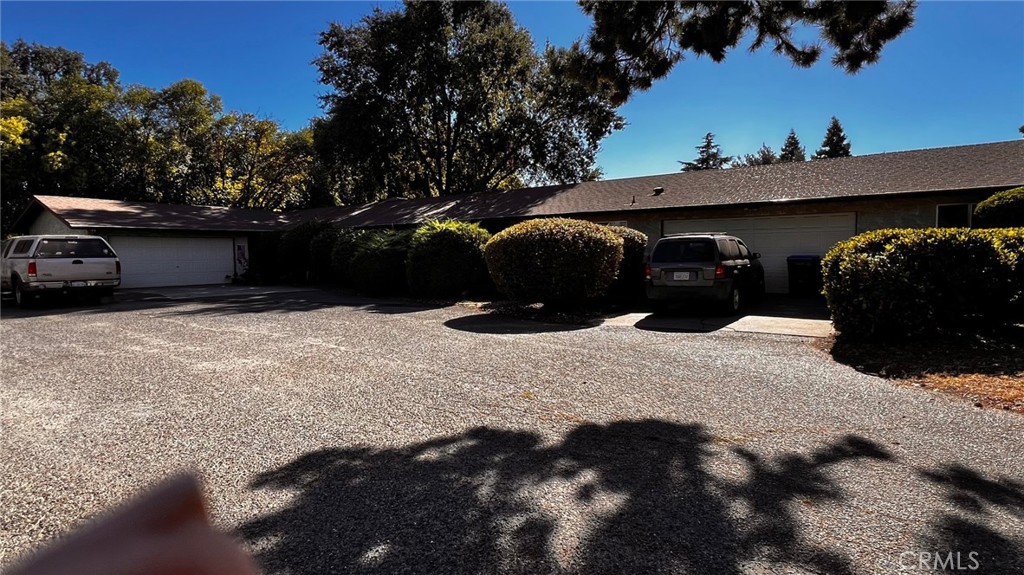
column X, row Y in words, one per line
column 159, row 245
column 779, row 210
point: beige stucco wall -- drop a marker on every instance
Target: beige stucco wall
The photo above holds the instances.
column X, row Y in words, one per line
column 875, row 213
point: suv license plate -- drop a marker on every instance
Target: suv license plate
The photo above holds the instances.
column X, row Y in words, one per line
column 77, row 284
column 681, row 276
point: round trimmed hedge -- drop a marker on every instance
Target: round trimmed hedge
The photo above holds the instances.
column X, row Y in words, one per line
column 1010, row 242
column 555, row 260
column 629, row 282
column 1001, row 210
column 378, row 262
column 446, row 259
column 913, row 282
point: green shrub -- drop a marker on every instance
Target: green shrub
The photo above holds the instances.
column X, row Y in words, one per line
column 1001, row 210
column 321, row 247
column 899, row 283
column 378, row 262
column 446, row 259
column 342, row 253
column 1010, row 242
column 629, row 282
column 293, row 251
column 554, row 260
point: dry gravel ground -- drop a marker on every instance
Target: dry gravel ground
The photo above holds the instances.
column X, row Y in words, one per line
column 342, row 438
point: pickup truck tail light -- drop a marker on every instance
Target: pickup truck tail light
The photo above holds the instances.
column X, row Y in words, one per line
column 720, row 272
column 32, row 269
column 117, row 264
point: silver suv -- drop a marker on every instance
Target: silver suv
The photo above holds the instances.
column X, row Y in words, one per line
column 704, row 266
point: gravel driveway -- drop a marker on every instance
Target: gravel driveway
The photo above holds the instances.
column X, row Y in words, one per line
column 335, row 437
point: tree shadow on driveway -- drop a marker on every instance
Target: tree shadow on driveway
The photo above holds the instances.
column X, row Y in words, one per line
column 274, row 303
column 626, row 497
column 973, row 499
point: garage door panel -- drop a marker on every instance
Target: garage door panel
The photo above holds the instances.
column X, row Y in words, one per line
column 162, row 262
column 777, row 238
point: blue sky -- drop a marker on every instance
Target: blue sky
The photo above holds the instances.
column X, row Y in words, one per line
column 956, row 78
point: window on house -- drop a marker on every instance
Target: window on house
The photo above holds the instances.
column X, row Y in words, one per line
column 614, row 223
column 953, row 215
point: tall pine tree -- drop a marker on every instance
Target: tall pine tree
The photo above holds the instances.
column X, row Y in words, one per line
column 709, row 156
column 792, row 151
column 835, row 144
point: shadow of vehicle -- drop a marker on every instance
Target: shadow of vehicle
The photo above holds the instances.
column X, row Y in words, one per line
column 772, row 305
column 670, row 323
column 504, row 325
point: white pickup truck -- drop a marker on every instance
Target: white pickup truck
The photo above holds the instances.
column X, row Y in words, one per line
column 35, row 265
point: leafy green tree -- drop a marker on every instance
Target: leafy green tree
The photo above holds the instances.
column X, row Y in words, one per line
column 59, row 132
column 67, row 127
column 835, row 144
column 28, row 70
column 792, row 151
column 709, row 156
column 765, row 156
column 175, row 131
column 450, row 97
column 632, row 44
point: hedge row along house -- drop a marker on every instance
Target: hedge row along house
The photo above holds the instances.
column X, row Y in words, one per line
column 780, row 210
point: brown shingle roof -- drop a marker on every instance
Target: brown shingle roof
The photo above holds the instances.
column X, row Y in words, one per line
column 997, row 165
column 981, row 166
column 959, row 168
column 114, row 214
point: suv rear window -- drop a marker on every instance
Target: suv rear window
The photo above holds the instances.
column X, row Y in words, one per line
column 85, row 248
column 684, row 251
column 728, row 249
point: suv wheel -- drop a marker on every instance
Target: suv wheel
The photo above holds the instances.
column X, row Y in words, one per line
column 735, row 301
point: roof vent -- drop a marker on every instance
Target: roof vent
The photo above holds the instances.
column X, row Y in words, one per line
column 658, row 191
column 633, row 203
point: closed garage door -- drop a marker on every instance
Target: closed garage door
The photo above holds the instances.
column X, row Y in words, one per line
column 777, row 238
column 162, row 262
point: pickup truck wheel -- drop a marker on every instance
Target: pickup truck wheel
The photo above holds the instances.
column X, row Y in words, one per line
column 20, row 297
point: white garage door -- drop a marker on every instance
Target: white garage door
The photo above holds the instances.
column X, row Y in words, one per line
column 162, row 262
column 777, row 238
